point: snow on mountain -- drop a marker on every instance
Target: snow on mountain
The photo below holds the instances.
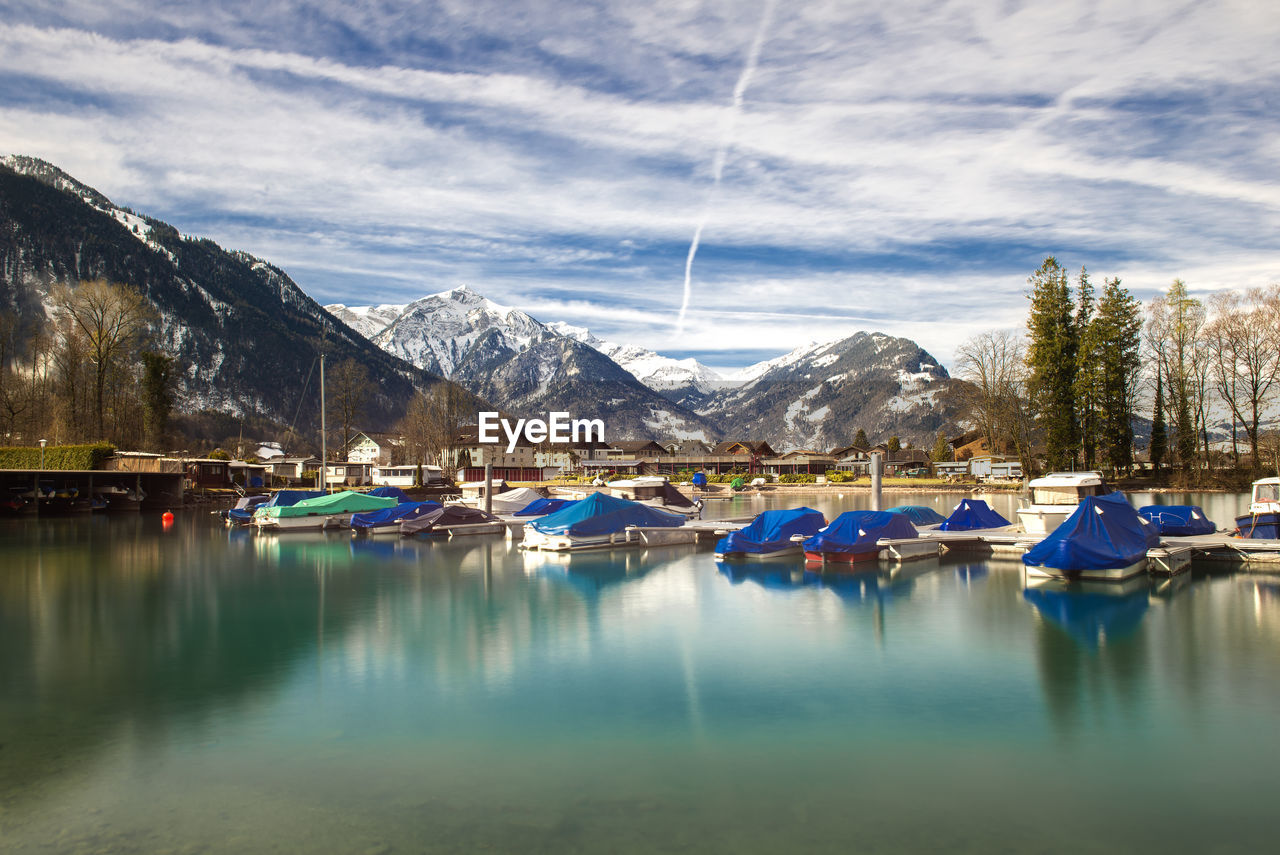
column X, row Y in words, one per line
column 366, row 320
column 658, row 372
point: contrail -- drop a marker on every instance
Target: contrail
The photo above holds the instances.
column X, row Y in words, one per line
column 722, row 153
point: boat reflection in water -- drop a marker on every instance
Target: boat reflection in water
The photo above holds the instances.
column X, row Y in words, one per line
column 776, row 576
column 1092, row 613
column 591, row 572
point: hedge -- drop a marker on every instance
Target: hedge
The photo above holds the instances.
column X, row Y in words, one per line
column 56, row 456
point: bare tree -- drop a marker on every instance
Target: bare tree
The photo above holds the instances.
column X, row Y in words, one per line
column 1242, row 340
column 1175, row 322
column 430, row 425
column 109, row 322
column 348, row 392
column 994, row 367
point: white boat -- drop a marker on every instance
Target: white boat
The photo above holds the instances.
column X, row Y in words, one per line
column 656, row 492
column 506, row 502
column 1263, row 519
column 330, row 511
column 1056, row 496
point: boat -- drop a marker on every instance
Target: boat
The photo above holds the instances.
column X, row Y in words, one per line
column 1056, row 496
column 471, row 491
column 388, row 520
column 769, row 535
column 281, row 499
column 922, row 517
column 453, row 521
column 388, row 492
column 600, row 520
column 656, row 491
column 974, row 515
column 243, row 510
column 333, row 510
column 506, row 502
column 1263, row 519
column 120, row 498
column 855, row 536
column 542, row 507
column 1103, row 540
column 1178, row 520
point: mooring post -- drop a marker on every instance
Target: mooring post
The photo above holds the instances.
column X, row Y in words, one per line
column 488, row 487
column 877, row 466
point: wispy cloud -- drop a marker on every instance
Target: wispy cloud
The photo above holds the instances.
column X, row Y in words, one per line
column 900, row 167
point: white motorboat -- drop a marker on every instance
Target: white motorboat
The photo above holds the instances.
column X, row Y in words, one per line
column 656, row 492
column 1056, row 496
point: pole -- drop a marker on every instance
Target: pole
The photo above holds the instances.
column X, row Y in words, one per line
column 876, row 469
column 488, row 487
column 324, row 449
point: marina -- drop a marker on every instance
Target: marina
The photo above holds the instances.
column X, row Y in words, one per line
column 338, row 694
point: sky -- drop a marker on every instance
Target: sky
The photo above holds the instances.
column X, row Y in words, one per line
column 897, row 167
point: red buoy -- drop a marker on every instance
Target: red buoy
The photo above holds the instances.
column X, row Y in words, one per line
column 167, row 517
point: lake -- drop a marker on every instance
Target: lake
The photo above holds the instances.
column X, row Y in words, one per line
column 196, row 690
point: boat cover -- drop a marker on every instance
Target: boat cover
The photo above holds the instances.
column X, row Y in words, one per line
column 920, row 514
column 699, row 479
column 737, row 484
column 601, row 513
column 771, row 531
column 392, row 516
column 1104, row 533
column 281, row 499
column 856, row 532
column 972, row 514
column 346, row 502
column 442, row 518
column 391, row 493
column 512, row 500
column 1178, row 520
column 542, row 507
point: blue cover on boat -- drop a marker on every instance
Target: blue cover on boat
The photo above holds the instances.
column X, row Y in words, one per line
column 919, row 514
column 1178, row 520
column 391, row 493
column 1104, row 533
column 699, row 479
column 973, row 514
column 601, row 513
column 282, row 499
column 392, row 516
column 541, row 507
column 855, row 532
column 771, row 531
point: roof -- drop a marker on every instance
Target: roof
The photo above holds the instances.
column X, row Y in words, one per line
column 637, row 445
column 758, row 448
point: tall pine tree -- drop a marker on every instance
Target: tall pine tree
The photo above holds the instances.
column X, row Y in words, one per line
column 1053, row 342
column 1116, row 333
column 1159, row 436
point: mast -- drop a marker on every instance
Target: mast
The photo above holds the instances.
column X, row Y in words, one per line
column 324, row 450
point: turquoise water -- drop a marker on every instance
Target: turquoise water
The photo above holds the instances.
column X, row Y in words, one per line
column 194, row 690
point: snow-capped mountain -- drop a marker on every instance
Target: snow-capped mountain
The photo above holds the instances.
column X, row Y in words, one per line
column 243, row 333
column 525, row 366
column 819, row 395
column 366, row 320
column 685, row 381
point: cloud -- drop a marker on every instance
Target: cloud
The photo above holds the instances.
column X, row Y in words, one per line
column 901, row 167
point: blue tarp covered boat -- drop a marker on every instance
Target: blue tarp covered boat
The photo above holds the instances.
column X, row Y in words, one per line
column 391, row 493
column 542, row 507
column 1103, row 539
column 699, row 479
column 1178, row 520
column 387, row 520
column 971, row 515
column 769, row 534
column 593, row 521
column 282, row 499
column 854, row 536
column 921, row 516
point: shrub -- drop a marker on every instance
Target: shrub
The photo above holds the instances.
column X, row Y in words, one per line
column 56, row 456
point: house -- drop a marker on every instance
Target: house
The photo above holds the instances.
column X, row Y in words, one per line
column 524, row 462
column 348, row 473
column 407, row 476
column 904, row 460
column 634, row 450
column 995, row 466
column 951, row 468
column 249, row 474
column 295, row 469
column 367, row 447
column 686, row 448
column 208, row 472
column 800, row 461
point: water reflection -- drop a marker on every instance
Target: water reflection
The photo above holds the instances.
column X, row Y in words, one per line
column 1092, row 613
column 592, row 571
column 777, row 575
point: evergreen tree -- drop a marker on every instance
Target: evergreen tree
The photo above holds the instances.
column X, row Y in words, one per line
column 1116, row 336
column 941, row 448
column 157, row 396
column 861, row 439
column 1159, row 438
column 894, row 445
column 1051, row 360
column 1089, row 370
